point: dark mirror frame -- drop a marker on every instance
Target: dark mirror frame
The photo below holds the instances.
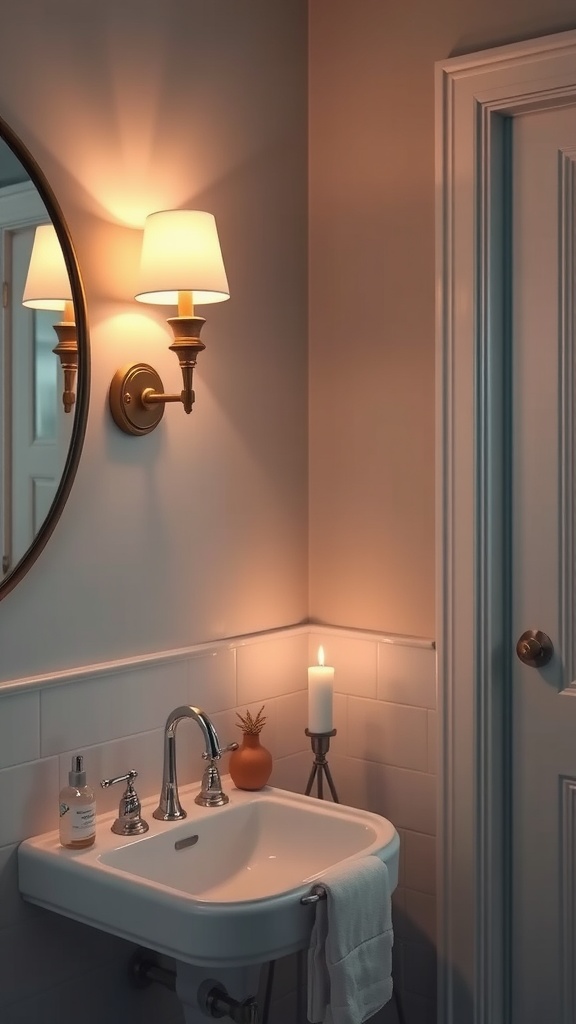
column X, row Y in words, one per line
column 83, row 378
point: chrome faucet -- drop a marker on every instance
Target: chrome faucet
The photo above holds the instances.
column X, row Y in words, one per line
column 210, row 795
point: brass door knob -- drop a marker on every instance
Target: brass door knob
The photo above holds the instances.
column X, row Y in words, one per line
column 534, row 648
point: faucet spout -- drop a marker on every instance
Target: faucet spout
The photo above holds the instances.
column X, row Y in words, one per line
column 169, row 807
column 209, row 733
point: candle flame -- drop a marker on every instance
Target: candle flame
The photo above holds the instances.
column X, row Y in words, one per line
column 320, row 655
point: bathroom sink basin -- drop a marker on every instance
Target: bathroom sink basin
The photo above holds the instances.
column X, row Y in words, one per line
column 221, row 888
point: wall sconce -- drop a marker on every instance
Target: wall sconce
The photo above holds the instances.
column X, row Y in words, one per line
column 48, row 287
column 181, row 265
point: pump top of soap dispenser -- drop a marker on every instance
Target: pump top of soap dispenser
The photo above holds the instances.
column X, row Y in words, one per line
column 77, row 775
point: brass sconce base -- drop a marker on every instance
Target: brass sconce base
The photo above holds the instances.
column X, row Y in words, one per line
column 130, row 412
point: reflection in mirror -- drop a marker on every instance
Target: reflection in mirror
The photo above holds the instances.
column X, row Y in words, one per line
column 40, row 443
column 45, row 377
column 48, row 287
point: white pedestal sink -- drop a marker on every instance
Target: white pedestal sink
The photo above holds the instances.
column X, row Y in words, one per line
column 219, row 890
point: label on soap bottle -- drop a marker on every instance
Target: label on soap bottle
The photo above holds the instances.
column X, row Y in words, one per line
column 77, row 821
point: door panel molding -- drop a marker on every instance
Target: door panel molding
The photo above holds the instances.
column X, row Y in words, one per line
column 476, row 96
column 567, row 908
column 566, row 277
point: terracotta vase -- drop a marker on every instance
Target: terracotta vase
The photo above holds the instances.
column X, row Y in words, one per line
column 251, row 765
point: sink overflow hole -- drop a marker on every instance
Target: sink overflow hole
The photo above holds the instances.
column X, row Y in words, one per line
column 183, row 844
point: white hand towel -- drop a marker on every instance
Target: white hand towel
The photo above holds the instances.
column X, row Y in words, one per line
column 350, row 955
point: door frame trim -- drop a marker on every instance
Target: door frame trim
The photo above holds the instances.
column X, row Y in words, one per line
column 476, row 95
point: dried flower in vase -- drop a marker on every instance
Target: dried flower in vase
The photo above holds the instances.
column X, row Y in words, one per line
column 249, row 725
column 251, row 763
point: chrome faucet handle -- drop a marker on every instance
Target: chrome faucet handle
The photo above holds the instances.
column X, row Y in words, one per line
column 211, row 793
column 223, row 750
column 129, row 821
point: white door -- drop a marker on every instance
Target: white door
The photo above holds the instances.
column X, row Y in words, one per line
column 37, row 427
column 543, row 509
column 34, row 431
column 506, row 158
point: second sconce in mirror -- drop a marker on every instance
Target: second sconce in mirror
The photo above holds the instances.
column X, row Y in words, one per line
column 181, row 265
column 48, row 287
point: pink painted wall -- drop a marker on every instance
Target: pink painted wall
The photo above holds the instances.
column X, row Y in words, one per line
column 371, row 403
column 130, row 108
column 198, row 530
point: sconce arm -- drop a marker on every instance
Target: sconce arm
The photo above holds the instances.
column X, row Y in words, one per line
column 137, row 396
column 151, row 397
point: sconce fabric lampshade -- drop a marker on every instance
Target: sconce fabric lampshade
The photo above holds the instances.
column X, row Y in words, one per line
column 48, row 283
column 181, row 253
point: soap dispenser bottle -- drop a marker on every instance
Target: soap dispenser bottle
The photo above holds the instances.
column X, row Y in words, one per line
column 77, row 809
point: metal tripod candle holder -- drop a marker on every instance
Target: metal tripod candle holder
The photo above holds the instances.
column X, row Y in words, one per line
column 320, row 742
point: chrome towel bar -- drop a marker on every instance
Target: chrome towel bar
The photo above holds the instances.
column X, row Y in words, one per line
column 317, row 893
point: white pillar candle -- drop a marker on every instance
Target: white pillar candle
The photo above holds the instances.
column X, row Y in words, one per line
column 320, row 695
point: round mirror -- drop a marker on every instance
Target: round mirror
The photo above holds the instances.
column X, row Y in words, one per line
column 44, row 361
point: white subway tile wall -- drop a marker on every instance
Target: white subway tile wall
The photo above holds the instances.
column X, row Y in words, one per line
column 19, row 729
column 383, row 758
column 270, row 667
column 121, row 704
column 391, row 733
column 355, row 661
